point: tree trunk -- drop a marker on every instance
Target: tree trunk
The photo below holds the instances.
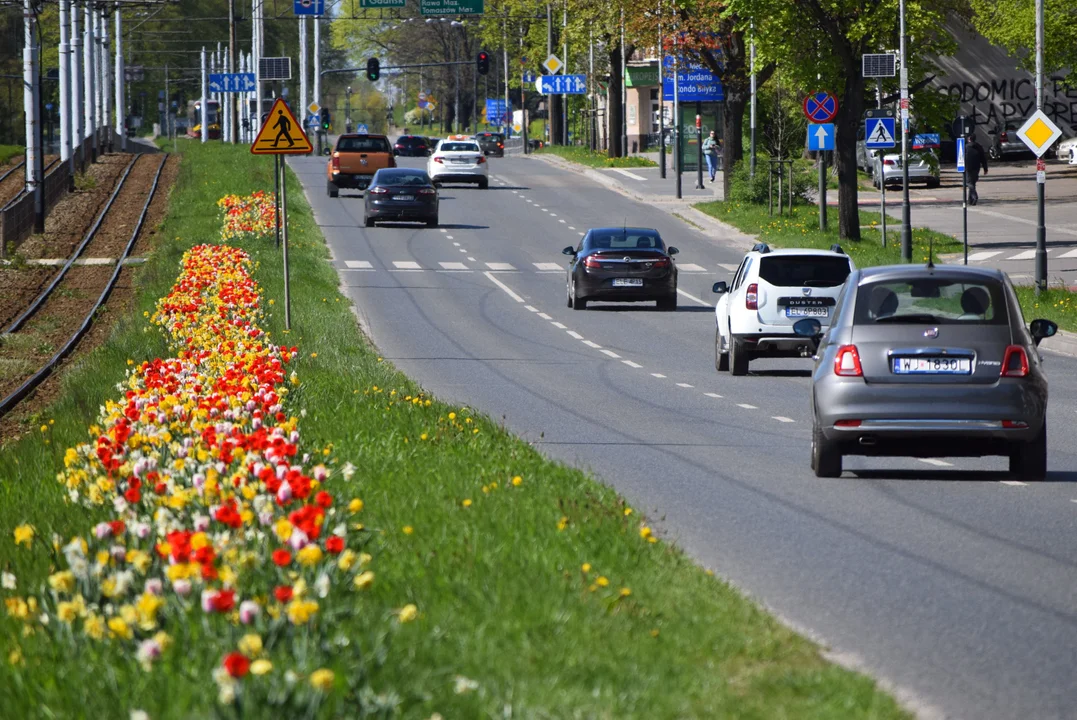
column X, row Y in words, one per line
column 614, row 108
column 553, row 110
column 732, row 135
column 846, row 124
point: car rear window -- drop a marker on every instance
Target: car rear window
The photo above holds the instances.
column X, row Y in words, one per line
column 402, row 178
column 490, row 137
column 363, row 144
column 458, row 147
column 940, row 301
column 804, row 270
column 405, row 140
column 627, row 241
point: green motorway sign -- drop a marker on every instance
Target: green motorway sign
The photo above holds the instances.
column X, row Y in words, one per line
column 451, row 7
column 382, row 3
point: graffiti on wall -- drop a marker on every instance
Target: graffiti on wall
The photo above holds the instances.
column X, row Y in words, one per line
column 993, row 102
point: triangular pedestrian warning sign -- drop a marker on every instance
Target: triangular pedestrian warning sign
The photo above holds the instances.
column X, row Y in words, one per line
column 281, row 134
column 881, row 134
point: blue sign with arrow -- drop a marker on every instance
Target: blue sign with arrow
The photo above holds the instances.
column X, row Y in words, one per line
column 821, row 137
column 562, row 84
column 879, row 133
column 231, row 82
column 528, row 76
column 961, row 154
column 309, row 7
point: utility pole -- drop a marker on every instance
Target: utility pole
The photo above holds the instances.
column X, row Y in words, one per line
column 906, row 219
column 318, row 59
column 65, row 83
column 89, row 125
column 549, row 98
column 661, row 99
column 1041, row 178
column 31, row 99
column 106, row 81
column 75, row 68
column 564, row 98
column 505, row 70
column 624, row 89
column 751, row 55
column 303, row 69
column 592, row 122
column 120, row 114
column 677, row 116
column 233, row 131
column 256, row 53
column 205, row 98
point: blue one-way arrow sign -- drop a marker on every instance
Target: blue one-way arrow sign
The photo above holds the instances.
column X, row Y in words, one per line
column 562, row 84
column 821, row 137
column 231, row 82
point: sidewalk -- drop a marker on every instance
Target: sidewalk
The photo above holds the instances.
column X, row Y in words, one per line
column 644, row 183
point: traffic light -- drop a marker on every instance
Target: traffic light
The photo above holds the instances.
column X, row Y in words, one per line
column 373, row 69
column 482, row 62
column 325, row 118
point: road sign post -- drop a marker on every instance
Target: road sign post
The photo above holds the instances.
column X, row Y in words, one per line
column 879, row 136
column 821, row 139
column 699, row 145
column 961, row 168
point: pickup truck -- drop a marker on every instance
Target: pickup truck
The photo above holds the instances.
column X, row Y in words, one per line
column 355, row 159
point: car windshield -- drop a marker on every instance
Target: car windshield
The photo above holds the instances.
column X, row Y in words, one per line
column 362, row 144
column 396, row 179
column 804, row 270
column 405, row 140
column 458, row 147
column 931, row 300
column 626, row 240
column 490, row 137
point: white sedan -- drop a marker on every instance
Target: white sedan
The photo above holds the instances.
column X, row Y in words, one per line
column 458, row 161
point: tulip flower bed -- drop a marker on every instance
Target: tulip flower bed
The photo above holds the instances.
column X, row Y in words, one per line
column 251, row 216
column 280, row 524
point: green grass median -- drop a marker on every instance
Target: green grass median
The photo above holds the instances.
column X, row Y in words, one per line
column 540, row 592
column 584, row 156
column 7, row 152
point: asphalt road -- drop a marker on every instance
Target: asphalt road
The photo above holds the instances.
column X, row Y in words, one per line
column 946, row 579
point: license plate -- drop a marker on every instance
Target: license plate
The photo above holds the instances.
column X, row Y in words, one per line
column 932, row 366
column 461, row 162
column 627, row 282
column 403, row 197
column 815, row 312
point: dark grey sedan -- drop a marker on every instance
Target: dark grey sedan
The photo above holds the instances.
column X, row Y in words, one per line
column 621, row 264
column 401, row 194
column 931, row 361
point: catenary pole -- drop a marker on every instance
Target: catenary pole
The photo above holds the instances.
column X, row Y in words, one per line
column 906, row 219
column 31, row 101
column 751, row 61
column 1041, row 177
column 65, row 82
column 303, row 69
column 120, row 114
column 89, row 128
column 106, row 78
column 77, row 147
column 204, row 118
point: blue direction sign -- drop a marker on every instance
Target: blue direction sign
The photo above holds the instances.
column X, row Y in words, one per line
column 528, row 76
column 961, row 154
column 231, row 82
column 309, row 7
column 821, row 137
column 879, row 133
column 562, row 84
column 695, row 83
column 495, row 110
column 926, row 140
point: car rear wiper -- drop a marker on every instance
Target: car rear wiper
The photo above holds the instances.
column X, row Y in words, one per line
column 922, row 318
column 819, row 283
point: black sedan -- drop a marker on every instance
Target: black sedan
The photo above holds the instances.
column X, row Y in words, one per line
column 401, row 194
column 411, row 146
column 622, row 265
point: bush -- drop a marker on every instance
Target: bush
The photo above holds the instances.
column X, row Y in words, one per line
column 744, row 188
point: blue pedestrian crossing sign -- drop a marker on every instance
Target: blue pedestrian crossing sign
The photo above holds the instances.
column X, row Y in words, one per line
column 821, row 136
column 362, row 130
column 961, row 154
column 879, row 133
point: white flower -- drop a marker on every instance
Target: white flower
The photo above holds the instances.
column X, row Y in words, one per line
column 321, row 585
column 249, row 611
column 347, row 471
column 182, row 587
column 148, row 651
column 227, row 694
column 140, row 715
column 290, row 677
column 8, row 581
column 464, row 685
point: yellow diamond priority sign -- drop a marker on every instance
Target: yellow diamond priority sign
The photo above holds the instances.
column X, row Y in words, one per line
column 1039, row 133
column 281, row 134
column 553, row 64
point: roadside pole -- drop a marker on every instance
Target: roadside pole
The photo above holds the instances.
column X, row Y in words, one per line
column 751, row 65
column 204, row 116
column 75, row 69
column 699, row 145
column 276, row 196
column 661, row 100
column 233, row 119
column 677, row 118
column 303, row 98
column 1041, row 175
column 963, row 169
column 120, row 110
column 822, row 189
column 284, row 232
column 906, row 217
column 31, row 102
column 65, row 82
column 88, row 125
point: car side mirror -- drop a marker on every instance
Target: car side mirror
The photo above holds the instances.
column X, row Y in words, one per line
column 672, row 250
column 807, row 328
column 720, row 287
column 569, row 251
column 1040, row 329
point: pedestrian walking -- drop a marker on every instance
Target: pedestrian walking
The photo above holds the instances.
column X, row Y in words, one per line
column 710, row 151
column 975, row 160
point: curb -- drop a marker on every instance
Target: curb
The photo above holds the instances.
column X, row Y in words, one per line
column 1064, row 343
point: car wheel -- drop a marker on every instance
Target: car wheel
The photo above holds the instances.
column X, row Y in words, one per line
column 825, row 456
column 993, row 153
column 575, row 301
column 368, row 221
column 933, row 183
column 738, row 357
column 332, row 189
column 668, row 303
column 484, row 184
column 1028, row 460
column 432, row 222
column 721, row 359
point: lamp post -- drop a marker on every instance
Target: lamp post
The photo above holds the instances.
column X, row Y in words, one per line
column 348, row 110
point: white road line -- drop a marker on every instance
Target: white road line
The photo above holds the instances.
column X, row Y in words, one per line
column 547, row 266
column 406, row 265
column 684, row 385
column 591, row 343
column 500, row 266
column 611, row 354
column 471, row 259
column 580, row 234
column 463, row 250
column 713, row 395
column 571, row 227
column 1070, row 254
column 631, row 364
column 693, row 297
column 444, row 231
column 726, row 266
column 559, row 326
column 691, row 267
column 358, row 264
column 532, row 308
column 553, row 214
column 1023, row 221
column 456, row 244
column 449, row 237
column 632, row 175
column 575, row 335
column 746, row 406
column 781, row 418
column 453, row 266
column 1073, row 500
column 1012, row 482
column 544, row 316
column 936, row 462
column 985, row 255
column 561, row 220
column 515, row 192
column 657, row 375
column 1026, row 255
column 503, row 286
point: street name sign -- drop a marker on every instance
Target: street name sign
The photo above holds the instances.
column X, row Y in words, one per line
column 562, row 84
column 281, row 133
column 879, row 133
column 926, row 140
column 1039, row 133
column 820, row 107
column 495, row 111
column 821, row 136
column 451, row 7
column 695, row 82
column 231, row 82
column 382, row 3
column 309, row 7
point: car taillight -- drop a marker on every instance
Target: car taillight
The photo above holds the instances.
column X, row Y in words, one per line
column 480, row 160
column 889, row 162
column 438, row 159
column 428, row 191
column 335, row 163
column 399, row 146
column 1014, row 424
column 592, row 262
column 1004, row 137
column 751, row 297
column 847, row 362
column 501, row 145
column 847, row 423
column 1015, row 362
column 661, row 263
column 379, row 191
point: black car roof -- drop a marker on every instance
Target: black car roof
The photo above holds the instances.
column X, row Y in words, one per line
column 955, row 272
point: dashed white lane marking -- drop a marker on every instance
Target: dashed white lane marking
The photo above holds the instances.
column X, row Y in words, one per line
column 471, row 258
column 746, row 406
column 657, row 375
column 500, row 266
column 553, row 214
column 684, row 385
column 515, row 192
column 626, row 173
column 1070, row 254
column 1012, row 482
column 631, row 364
column 693, row 297
column 547, row 266
column 560, row 221
column 713, row 395
column 580, row 234
column 781, row 418
column 1073, row 500
column 691, row 267
column 503, row 286
column 449, row 237
column 987, row 255
column 611, row 354
column 1026, row 255
column 532, row 308
column 463, row 250
column 559, row 326
column 406, row 265
column 444, row 230
column 453, row 266
column 358, row 265
column 726, row 266
column 575, row 335
column 936, row 462
column 591, row 343
column 571, row 227
column 544, row 316
column 456, row 244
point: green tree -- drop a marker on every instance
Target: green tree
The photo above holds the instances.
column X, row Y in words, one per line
column 1011, row 24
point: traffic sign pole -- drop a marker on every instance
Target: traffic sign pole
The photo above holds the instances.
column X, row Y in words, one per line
column 699, row 145
column 963, row 169
column 906, row 218
column 822, row 189
column 1041, row 179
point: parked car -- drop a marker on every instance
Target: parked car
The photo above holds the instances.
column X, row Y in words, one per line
column 1067, row 150
column 1004, row 140
column 354, row 161
column 923, row 167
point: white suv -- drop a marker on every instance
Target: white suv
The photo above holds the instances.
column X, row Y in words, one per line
column 458, row 161
column 770, row 291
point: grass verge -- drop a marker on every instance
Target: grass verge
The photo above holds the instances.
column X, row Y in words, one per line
column 584, row 156
column 545, row 597
column 9, row 151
